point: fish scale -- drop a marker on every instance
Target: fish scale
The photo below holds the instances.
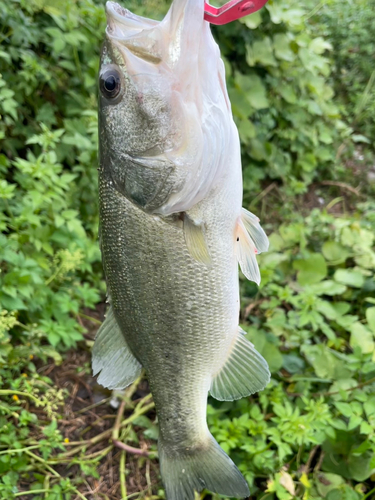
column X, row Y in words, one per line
column 151, row 277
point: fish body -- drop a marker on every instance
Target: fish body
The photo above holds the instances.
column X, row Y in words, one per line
column 172, row 234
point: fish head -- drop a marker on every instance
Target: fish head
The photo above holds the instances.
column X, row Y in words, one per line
column 165, row 122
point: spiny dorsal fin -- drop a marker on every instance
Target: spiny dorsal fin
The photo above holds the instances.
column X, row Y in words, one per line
column 111, row 356
column 244, row 372
column 196, row 241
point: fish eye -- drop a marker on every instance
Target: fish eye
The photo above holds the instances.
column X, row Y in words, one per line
column 110, row 83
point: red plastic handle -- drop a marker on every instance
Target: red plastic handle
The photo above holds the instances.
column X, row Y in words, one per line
column 231, row 11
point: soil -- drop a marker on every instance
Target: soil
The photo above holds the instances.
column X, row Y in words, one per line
column 88, row 411
column 81, row 422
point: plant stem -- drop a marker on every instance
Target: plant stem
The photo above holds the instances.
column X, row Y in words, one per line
column 116, row 427
column 9, row 412
column 54, row 275
column 30, row 492
column 4, row 392
column 130, row 449
column 359, row 386
column 99, row 454
column 368, row 494
column 82, row 497
column 341, row 185
column 44, row 462
column 107, row 433
column 19, row 450
column 122, row 476
column 148, row 478
column 263, row 193
column 94, row 320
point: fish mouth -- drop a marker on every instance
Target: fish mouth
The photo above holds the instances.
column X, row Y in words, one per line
column 179, row 33
column 124, row 21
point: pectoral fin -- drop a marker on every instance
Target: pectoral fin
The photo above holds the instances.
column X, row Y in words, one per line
column 111, row 356
column 259, row 237
column 250, row 240
column 196, row 241
column 246, row 252
column 244, row 372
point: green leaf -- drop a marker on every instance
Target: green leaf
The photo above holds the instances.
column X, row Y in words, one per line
column 333, row 251
column 349, row 277
column 253, row 90
column 360, row 138
column 327, row 482
column 334, row 494
column 344, row 408
column 246, row 130
column 311, row 270
column 339, row 424
column 323, row 362
column 361, row 337
column 293, row 363
column 327, row 309
column 369, row 406
column 319, row 45
column 282, row 48
column 53, row 338
column 359, row 466
column 261, row 51
column 287, row 92
column 354, row 422
column 370, row 316
column 273, row 356
column 365, row 429
column 328, row 287
column 252, row 21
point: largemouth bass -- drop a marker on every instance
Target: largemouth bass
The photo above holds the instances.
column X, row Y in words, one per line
column 172, row 235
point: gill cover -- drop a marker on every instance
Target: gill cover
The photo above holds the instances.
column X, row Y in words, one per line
column 168, row 136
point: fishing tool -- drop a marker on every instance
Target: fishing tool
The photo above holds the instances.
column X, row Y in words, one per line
column 231, row 11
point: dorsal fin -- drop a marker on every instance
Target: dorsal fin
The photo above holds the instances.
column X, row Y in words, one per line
column 244, row 372
column 111, row 356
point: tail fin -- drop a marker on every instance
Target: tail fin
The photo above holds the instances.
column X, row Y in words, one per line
column 194, row 469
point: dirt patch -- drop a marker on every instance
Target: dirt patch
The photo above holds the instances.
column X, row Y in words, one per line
column 89, row 415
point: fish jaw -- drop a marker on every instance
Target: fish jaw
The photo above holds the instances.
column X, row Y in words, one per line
column 173, row 110
column 118, row 16
column 177, row 33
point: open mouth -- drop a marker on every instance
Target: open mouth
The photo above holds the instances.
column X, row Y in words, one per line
column 120, row 18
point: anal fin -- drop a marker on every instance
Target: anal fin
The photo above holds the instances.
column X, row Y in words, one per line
column 111, row 356
column 244, row 372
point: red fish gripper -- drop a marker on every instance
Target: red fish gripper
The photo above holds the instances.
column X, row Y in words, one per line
column 231, row 11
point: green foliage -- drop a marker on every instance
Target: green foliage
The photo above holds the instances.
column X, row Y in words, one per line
column 315, row 326
column 282, row 101
column 49, row 256
column 350, row 26
column 48, row 246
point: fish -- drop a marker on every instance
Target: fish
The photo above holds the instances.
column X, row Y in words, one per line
column 173, row 234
